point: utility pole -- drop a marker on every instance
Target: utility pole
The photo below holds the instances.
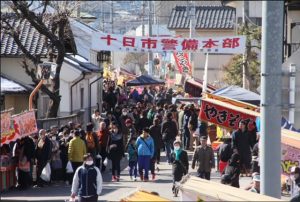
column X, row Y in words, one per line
column 150, row 54
column 245, row 23
column 271, row 83
column 143, row 19
column 112, row 16
column 192, row 30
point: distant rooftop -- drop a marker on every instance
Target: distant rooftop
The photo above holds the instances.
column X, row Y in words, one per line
column 207, row 17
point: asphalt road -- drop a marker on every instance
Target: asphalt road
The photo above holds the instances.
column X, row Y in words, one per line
column 112, row 191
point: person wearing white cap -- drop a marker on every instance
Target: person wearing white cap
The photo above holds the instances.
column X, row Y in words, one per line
column 180, row 163
column 295, row 176
column 256, row 184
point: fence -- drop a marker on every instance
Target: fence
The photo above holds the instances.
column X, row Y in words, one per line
column 75, row 118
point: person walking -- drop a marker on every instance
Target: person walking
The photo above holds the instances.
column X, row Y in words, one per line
column 225, row 153
column 56, row 163
column 180, row 120
column 186, row 131
column 76, row 151
column 131, row 130
column 96, row 119
column 132, row 158
column 155, row 133
column 115, row 150
column 91, row 140
column 145, row 147
column 232, row 171
column 180, row 164
column 42, row 154
column 103, row 135
column 63, row 147
column 169, row 132
column 87, row 181
column 241, row 143
column 204, row 155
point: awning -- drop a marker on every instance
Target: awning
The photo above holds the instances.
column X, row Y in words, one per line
column 238, row 93
column 196, row 189
column 10, row 86
column 141, row 195
column 194, row 87
column 145, row 80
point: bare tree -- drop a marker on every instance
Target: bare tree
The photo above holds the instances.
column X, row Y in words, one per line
column 55, row 27
column 138, row 59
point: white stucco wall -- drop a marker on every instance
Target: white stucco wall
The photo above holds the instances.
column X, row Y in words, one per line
column 12, row 67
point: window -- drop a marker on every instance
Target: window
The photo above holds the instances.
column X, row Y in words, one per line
column 2, row 100
column 81, row 97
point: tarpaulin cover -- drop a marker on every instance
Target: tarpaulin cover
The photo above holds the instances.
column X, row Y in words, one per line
column 141, row 195
column 238, row 93
column 145, row 80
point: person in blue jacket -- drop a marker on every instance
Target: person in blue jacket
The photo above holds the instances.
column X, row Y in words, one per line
column 145, row 147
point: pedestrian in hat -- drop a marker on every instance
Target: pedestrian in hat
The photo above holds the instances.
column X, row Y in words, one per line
column 295, row 176
column 180, row 163
column 256, row 184
column 204, row 155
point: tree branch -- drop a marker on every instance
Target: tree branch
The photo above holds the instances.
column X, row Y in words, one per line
column 35, row 21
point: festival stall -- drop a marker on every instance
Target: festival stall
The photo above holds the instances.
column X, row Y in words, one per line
column 194, row 87
column 13, row 127
column 142, row 195
column 196, row 189
column 145, row 80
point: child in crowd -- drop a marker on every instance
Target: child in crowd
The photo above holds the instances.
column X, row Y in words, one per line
column 132, row 158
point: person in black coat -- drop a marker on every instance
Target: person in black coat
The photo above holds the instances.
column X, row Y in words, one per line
column 232, row 171
column 180, row 163
column 115, row 150
column 169, row 132
column 155, row 133
column 224, row 153
column 241, row 143
column 42, row 154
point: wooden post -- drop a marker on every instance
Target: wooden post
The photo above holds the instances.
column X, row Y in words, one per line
column 35, row 90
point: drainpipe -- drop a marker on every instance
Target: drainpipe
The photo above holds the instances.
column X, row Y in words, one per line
column 83, row 76
column 90, row 97
column 292, row 93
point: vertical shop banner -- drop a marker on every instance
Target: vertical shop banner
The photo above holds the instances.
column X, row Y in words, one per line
column 290, row 156
column 224, row 116
column 27, row 123
column 7, row 127
column 182, row 62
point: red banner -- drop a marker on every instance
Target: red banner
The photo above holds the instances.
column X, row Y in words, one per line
column 182, row 62
column 224, row 116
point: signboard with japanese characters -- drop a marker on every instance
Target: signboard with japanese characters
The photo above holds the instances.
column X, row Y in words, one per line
column 114, row 42
column 224, row 116
column 182, row 62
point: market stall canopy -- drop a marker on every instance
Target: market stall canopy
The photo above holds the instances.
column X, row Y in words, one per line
column 213, row 191
column 141, row 195
column 238, row 93
column 145, row 80
column 194, row 87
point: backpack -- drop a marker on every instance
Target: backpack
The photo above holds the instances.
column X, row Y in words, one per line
column 90, row 141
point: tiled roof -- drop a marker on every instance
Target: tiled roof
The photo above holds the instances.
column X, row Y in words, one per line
column 30, row 37
column 11, row 86
column 207, row 17
column 81, row 64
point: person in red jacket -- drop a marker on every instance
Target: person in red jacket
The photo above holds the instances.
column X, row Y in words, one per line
column 103, row 135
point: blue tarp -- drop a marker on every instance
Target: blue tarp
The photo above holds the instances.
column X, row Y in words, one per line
column 145, row 80
column 238, row 93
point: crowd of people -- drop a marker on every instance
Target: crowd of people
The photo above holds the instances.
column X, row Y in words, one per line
column 141, row 125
